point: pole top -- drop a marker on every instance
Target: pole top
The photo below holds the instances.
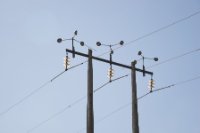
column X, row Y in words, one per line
column 89, row 50
column 90, row 53
column 134, row 62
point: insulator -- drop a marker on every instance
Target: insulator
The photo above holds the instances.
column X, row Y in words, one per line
column 110, row 73
column 66, row 62
column 151, row 84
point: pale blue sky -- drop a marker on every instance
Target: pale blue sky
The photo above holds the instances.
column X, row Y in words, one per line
column 30, row 56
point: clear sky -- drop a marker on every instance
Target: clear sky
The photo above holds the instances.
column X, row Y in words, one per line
column 30, row 57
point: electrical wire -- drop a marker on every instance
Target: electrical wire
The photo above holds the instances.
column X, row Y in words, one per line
column 160, row 63
column 113, row 112
column 163, row 62
column 58, row 75
column 42, row 86
column 155, row 91
column 86, row 45
column 169, row 86
column 174, row 58
column 143, row 95
column 168, row 60
column 165, row 27
column 139, row 98
column 151, row 33
column 137, row 39
column 110, row 82
column 24, row 98
column 35, row 91
column 56, row 114
column 156, row 31
column 67, row 70
column 133, row 41
column 71, row 105
column 107, row 116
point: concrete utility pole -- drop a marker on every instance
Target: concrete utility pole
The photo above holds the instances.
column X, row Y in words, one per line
column 135, row 125
column 90, row 114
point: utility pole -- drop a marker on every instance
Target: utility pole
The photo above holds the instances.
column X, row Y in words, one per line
column 135, row 125
column 90, row 114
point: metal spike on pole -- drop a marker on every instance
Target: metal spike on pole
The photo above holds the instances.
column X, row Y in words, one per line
column 90, row 114
column 135, row 124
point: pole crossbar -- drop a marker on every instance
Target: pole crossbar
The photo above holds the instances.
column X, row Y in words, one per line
column 108, row 61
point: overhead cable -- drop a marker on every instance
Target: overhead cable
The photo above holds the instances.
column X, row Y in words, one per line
column 34, row 92
column 24, row 98
column 71, row 105
column 156, row 31
column 152, row 33
column 174, row 58
column 139, row 98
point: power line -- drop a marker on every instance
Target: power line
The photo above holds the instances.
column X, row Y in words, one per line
column 165, row 27
column 174, row 58
column 56, row 114
column 157, row 30
column 151, row 33
column 110, row 82
column 168, row 60
column 66, row 70
column 156, row 90
column 24, row 98
column 42, row 86
column 146, row 94
column 107, row 116
column 34, row 92
column 146, row 35
column 163, row 62
column 71, row 105
column 137, row 39
column 139, row 98
column 169, row 86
